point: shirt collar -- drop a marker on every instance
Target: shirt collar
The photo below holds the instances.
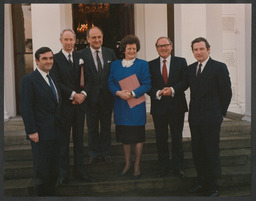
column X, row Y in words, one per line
column 66, row 53
column 168, row 59
column 93, row 50
column 42, row 72
column 127, row 63
column 205, row 62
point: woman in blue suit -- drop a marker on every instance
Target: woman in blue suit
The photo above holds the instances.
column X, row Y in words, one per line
column 130, row 122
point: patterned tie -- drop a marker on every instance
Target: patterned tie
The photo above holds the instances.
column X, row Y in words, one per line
column 199, row 71
column 98, row 62
column 69, row 60
column 164, row 72
column 52, row 86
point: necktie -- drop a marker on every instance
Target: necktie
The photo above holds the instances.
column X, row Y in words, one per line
column 52, row 86
column 69, row 60
column 199, row 71
column 164, row 72
column 98, row 62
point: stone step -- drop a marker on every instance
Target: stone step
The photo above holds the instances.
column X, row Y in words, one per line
column 14, row 133
column 147, row 185
column 23, row 152
column 24, row 169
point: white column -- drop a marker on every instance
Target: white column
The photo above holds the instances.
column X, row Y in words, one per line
column 188, row 28
column 9, row 74
column 5, row 112
column 248, row 65
column 48, row 20
column 150, row 24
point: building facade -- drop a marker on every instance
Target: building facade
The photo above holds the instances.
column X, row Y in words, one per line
column 227, row 27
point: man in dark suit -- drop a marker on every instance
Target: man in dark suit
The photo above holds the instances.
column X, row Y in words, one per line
column 210, row 96
column 100, row 100
column 40, row 110
column 168, row 105
column 67, row 71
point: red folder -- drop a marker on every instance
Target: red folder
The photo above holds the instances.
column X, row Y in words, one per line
column 131, row 83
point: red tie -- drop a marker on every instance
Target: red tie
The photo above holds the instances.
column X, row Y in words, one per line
column 164, row 72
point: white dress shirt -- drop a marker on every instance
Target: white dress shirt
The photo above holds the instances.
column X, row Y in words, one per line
column 167, row 63
column 44, row 74
column 94, row 55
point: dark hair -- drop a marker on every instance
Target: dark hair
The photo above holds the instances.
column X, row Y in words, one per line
column 42, row 50
column 200, row 39
column 170, row 42
column 88, row 32
column 129, row 39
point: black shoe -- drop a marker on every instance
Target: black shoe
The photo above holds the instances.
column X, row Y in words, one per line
column 92, row 161
column 126, row 172
column 136, row 176
column 63, row 181
column 180, row 174
column 214, row 193
column 108, row 160
column 196, row 189
column 162, row 173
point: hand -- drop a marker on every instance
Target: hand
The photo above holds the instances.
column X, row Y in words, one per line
column 74, row 102
column 78, row 98
column 166, row 91
column 34, row 137
column 124, row 94
column 161, row 93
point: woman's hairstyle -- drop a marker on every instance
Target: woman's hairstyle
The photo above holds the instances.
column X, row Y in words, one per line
column 129, row 39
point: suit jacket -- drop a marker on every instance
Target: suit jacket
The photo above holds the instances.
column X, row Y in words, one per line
column 39, row 107
column 176, row 104
column 69, row 79
column 98, row 82
column 210, row 95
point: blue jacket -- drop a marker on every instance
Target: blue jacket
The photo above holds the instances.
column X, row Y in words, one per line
column 123, row 114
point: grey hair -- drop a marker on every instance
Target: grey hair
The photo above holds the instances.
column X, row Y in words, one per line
column 64, row 30
column 162, row 38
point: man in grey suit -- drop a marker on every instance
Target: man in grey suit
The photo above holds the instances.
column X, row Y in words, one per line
column 40, row 109
column 210, row 95
column 100, row 100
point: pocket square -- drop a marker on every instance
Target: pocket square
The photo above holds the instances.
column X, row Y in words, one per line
column 108, row 62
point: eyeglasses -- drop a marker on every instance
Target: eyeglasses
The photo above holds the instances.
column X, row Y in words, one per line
column 160, row 46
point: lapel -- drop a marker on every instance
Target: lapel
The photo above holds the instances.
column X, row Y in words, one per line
column 105, row 60
column 158, row 71
column 45, row 87
column 206, row 70
column 65, row 65
column 91, row 60
column 75, row 60
column 172, row 68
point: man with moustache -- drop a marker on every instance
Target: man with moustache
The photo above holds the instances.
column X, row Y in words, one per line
column 100, row 100
column 168, row 105
column 67, row 71
column 40, row 109
column 210, row 96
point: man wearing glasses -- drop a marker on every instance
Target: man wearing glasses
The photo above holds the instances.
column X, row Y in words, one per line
column 168, row 106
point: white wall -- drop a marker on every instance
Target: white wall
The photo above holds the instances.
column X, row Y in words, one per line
column 223, row 25
column 47, row 22
column 150, row 24
column 9, row 78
